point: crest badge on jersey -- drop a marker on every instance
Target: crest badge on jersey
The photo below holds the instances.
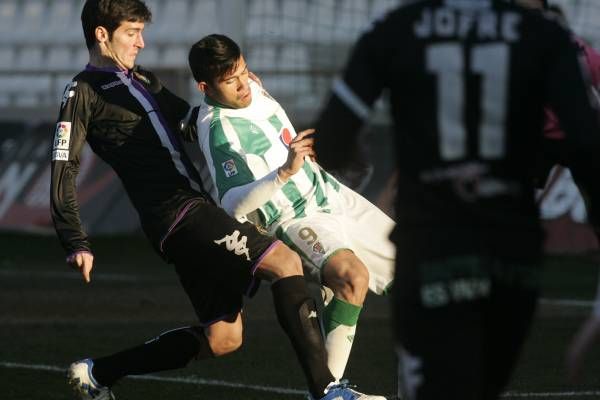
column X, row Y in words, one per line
column 318, row 248
column 285, row 136
column 229, row 168
column 62, row 139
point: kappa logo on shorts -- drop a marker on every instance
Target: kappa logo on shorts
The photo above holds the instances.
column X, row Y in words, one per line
column 229, row 168
column 235, row 244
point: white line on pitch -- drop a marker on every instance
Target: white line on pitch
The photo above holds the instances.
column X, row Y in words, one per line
column 189, row 380
column 100, row 276
column 589, row 393
column 567, row 302
column 271, row 389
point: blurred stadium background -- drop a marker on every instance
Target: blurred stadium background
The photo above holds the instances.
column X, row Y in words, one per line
column 47, row 317
column 295, row 46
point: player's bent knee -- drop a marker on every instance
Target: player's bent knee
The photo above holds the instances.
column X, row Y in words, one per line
column 225, row 337
column 348, row 278
column 281, row 262
column 359, row 276
column 226, row 345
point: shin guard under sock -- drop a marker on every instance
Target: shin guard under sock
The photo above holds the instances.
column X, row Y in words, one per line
column 339, row 321
column 170, row 350
column 297, row 315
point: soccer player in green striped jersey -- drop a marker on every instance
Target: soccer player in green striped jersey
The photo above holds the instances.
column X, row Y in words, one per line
column 259, row 169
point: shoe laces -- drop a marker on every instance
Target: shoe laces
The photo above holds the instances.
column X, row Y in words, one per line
column 342, row 384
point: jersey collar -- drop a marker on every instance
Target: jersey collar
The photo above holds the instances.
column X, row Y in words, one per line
column 90, row 67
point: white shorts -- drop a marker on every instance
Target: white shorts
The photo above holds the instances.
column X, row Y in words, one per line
column 354, row 224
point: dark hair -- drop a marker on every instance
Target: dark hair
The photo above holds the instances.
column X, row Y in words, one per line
column 213, row 56
column 110, row 14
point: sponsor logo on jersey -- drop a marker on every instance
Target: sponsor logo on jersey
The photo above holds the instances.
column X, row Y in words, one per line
column 229, row 168
column 318, row 248
column 68, row 93
column 112, row 85
column 285, row 136
column 236, row 244
column 62, row 138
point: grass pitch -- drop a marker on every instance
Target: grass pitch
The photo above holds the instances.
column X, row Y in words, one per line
column 50, row 317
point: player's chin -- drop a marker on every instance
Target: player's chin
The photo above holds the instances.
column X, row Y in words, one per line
column 130, row 63
column 245, row 101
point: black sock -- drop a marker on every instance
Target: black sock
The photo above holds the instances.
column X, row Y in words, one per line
column 170, row 350
column 297, row 315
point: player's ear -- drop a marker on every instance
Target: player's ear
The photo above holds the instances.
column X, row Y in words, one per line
column 101, row 34
column 202, row 86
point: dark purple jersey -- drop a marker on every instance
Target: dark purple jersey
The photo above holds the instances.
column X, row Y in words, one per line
column 131, row 128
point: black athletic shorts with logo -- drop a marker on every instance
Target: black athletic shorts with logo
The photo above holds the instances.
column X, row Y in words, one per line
column 216, row 257
column 463, row 305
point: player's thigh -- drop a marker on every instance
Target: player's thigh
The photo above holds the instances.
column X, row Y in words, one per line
column 315, row 238
column 368, row 229
column 216, row 257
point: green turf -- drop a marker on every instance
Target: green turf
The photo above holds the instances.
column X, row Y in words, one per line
column 49, row 317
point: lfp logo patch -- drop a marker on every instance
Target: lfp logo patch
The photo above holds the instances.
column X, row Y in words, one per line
column 229, row 168
column 286, row 136
column 62, row 138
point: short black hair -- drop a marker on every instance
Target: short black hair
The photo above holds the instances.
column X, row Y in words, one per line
column 110, row 14
column 213, row 56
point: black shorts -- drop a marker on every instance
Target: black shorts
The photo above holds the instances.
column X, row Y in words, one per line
column 215, row 257
column 460, row 318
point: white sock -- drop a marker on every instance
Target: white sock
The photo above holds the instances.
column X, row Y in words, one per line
column 338, row 344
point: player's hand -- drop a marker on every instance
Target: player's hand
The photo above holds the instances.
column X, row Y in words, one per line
column 580, row 346
column 83, row 261
column 300, row 147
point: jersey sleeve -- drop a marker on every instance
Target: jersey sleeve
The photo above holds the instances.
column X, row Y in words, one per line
column 69, row 138
column 242, row 200
column 350, row 103
column 229, row 165
column 569, row 97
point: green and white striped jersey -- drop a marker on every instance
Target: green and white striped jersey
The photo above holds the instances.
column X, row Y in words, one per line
column 243, row 145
